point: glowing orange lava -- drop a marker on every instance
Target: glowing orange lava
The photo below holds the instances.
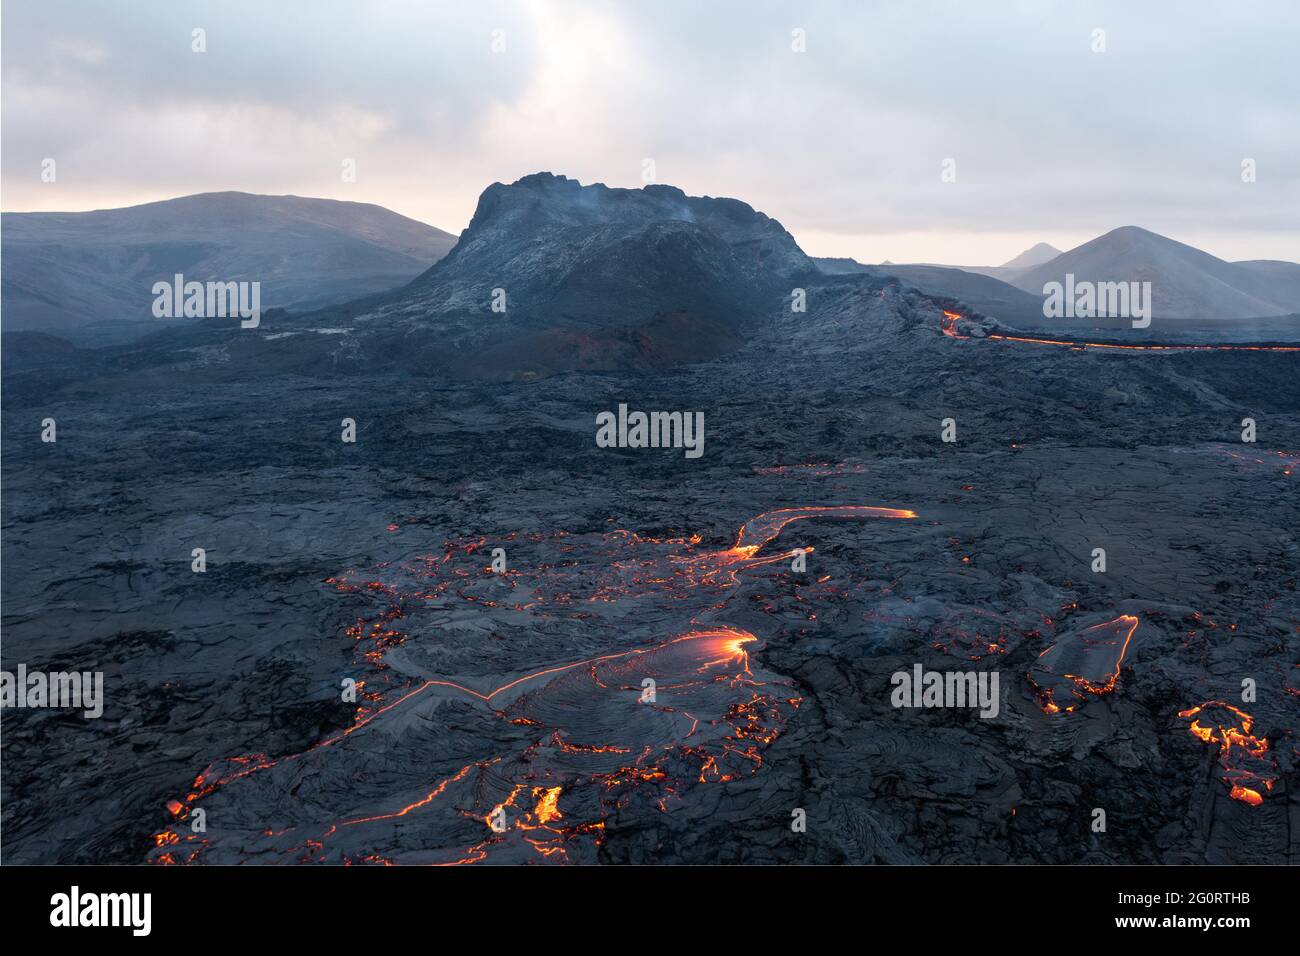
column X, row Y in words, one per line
column 761, row 531
column 547, row 808
column 709, row 667
column 948, row 325
column 1086, row 664
column 1248, row 767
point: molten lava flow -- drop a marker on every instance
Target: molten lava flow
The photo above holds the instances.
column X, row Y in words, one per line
column 762, row 530
column 432, row 795
column 1082, row 665
column 582, row 737
column 1286, row 462
column 948, row 325
column 1248, row 767
column 547, row 808
column 1076, row 344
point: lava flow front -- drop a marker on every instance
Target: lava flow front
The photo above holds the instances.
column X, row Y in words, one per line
column 474, row 739
column 949, row 327
column 1082, row 664
column 1247, row 766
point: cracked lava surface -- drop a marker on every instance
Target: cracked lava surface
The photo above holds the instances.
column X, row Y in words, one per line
column 580, row 739
column 517, row 696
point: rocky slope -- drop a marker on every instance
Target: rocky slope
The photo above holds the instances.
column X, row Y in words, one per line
column 521, row 689
column 590, row 277
column 984, row 293
column 368, row 561
column 66, row 271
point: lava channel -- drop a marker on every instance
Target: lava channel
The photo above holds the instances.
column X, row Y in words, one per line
column 948, row 326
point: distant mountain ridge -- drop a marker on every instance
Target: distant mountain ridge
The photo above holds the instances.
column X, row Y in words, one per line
column 1186, row 283
column 1035, row 255
column 64, row 271
column 550, row 275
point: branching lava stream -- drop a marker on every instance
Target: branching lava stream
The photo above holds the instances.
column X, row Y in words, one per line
column 529, row 765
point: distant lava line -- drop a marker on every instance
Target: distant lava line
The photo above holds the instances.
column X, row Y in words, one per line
column 949, row 328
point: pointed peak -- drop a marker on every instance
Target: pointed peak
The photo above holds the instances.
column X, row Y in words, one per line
column 1035, row 255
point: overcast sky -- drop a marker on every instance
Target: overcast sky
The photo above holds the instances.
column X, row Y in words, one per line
column 844, row 143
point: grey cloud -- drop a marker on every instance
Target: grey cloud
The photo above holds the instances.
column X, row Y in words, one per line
column 845, row 138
